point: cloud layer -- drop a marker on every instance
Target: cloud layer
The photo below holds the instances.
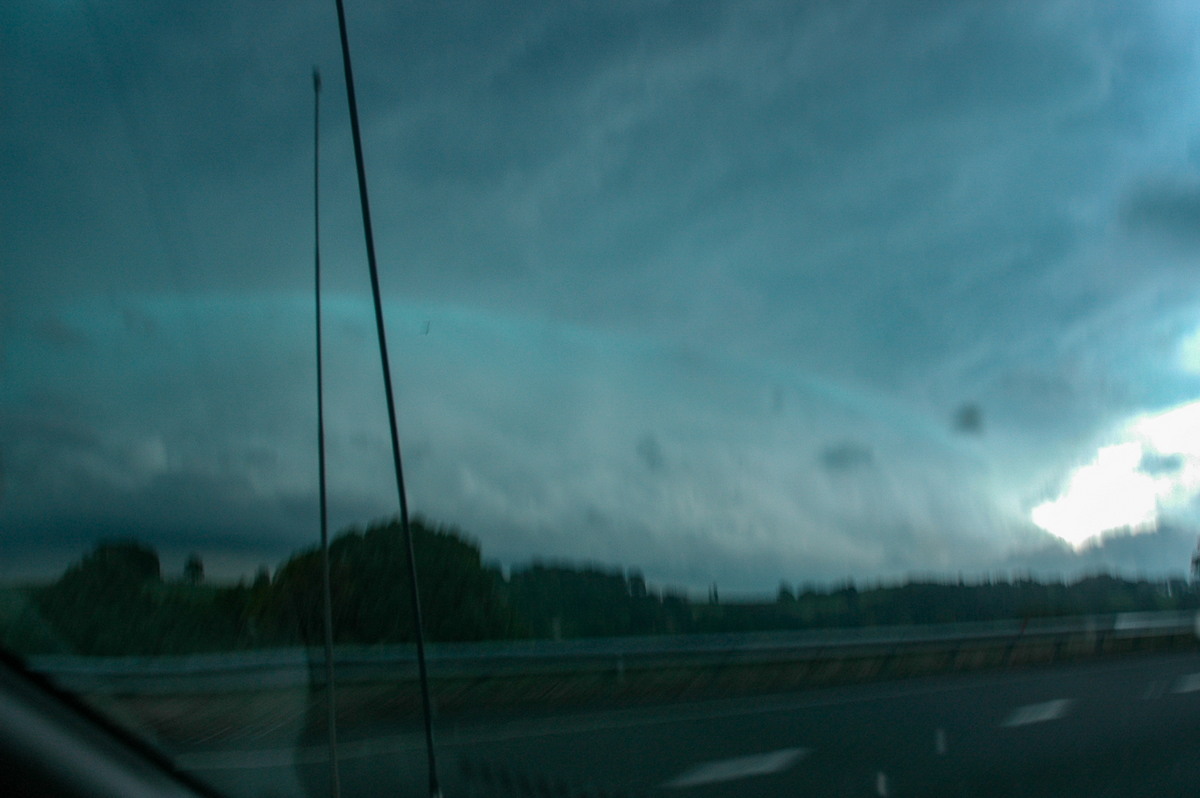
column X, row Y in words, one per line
column 732, row 291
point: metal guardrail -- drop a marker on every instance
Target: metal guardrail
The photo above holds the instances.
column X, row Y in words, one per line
column 298, row 667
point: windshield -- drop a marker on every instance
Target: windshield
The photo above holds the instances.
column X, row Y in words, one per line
column 792, row 396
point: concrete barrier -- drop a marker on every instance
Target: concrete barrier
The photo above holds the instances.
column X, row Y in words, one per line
column 274, row 697
column 925, row 648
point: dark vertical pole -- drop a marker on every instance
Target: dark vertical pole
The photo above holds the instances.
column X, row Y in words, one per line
column 335, row 786
column 435, row 789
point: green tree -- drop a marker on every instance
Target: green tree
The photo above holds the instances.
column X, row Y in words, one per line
column 369, row 577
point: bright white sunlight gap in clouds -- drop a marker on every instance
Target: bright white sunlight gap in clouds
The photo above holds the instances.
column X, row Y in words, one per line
column 1128, row 485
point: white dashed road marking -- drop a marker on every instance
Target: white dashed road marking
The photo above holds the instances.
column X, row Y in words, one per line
column 738, row 768
column 1038, row 713
column 939, row 742
column 1187, row 684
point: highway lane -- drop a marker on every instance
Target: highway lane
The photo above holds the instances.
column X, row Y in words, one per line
column 1127, row 726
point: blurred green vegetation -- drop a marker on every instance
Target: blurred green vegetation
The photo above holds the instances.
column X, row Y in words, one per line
column 115, row 601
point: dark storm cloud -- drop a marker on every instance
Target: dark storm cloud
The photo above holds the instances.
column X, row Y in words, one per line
column 968, row 419
column 650, row 452
column 1166, row 208
column 73, row 485
column 176, row 513
column 846, row 456
column 131, row 130
column 1158, row 464
column 48, row 428
column 138, row 323
column 55, row 331
column 722, row 157
column 761, row 231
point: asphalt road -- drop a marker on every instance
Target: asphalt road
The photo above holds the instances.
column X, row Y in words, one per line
column 1129, row 726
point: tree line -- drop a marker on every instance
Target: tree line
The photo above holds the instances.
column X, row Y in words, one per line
column 116, row 601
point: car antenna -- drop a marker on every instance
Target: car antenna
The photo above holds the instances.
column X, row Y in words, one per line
column 435, row 790
column 335, row 786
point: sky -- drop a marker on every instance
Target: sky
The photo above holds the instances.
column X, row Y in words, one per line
column 733, row 293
